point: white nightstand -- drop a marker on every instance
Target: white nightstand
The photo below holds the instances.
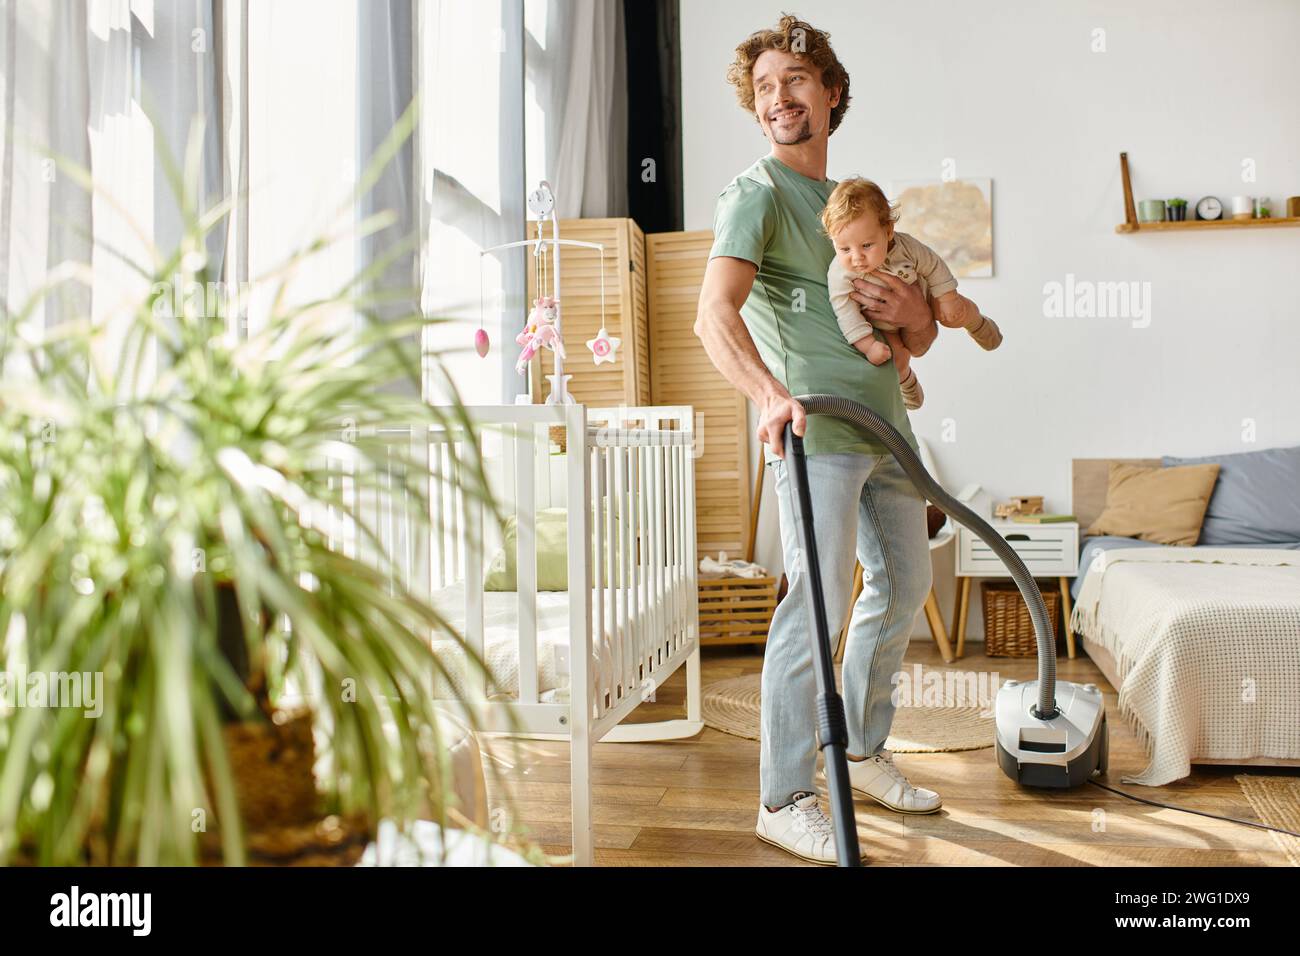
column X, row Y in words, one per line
column 1048, row 550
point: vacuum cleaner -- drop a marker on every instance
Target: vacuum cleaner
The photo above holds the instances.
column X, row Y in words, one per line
column 1048, row 733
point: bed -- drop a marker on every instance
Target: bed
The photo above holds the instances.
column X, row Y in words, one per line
column 622, row 482
column 1202, row 642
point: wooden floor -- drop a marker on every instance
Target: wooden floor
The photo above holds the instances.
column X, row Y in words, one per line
column 694, row 802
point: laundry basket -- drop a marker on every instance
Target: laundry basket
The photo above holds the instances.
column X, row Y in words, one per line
column 1008, row 628
column 739, row 610
column 736, row 610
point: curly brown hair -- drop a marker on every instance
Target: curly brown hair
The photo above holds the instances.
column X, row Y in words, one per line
column 855, row 197
column 803, row 40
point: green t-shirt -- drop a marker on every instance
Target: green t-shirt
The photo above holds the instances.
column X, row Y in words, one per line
column 770, row 215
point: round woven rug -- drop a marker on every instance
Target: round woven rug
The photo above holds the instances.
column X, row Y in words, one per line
column 1277, row 801
column 732, row 706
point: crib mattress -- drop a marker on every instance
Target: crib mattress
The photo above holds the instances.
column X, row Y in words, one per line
column 501, row 642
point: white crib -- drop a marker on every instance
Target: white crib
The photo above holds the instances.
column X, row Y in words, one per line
column 635, row 572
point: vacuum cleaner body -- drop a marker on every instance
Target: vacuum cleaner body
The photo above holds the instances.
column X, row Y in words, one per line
column 1061, row 751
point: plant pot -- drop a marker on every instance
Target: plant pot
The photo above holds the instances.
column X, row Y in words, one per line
column 271, row 765
column 1151, row 210
column 272, row 758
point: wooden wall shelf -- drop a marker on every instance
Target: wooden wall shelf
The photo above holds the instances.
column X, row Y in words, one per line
column 1131, row 224
column 1126, row 227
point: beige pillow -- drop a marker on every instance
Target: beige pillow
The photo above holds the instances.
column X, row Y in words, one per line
column 1165, row 505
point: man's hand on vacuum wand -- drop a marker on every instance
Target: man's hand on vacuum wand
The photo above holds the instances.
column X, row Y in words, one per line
column 776, row 409
column 900, row 304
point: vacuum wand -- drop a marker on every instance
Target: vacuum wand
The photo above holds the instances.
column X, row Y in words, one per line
column 859, row 414
column 832, row 731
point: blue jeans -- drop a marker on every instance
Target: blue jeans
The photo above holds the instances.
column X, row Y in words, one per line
column 864, row 504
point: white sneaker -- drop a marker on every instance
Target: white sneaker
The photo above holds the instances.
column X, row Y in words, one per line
column 800, row 828
column 878, row 778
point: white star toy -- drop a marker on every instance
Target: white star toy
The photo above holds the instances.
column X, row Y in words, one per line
column 603, row 346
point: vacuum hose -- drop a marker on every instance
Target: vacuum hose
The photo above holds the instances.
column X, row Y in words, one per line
column 898, row 447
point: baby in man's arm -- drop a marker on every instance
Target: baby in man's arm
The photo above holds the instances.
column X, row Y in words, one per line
column 859, row 220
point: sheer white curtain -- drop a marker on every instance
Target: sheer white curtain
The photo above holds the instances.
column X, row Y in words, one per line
column 577, row 104
column 302, row 147
column 45, row 217
column 386, row 74
column 469, row 69
column 102, row 84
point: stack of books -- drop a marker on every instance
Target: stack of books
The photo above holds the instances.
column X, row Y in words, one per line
column 1041, row 518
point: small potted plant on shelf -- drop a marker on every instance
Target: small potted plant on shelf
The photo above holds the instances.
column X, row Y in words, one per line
column 1177, row 210
column 171, row 540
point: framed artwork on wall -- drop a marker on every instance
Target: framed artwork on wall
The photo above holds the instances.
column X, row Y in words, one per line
column 953, row 217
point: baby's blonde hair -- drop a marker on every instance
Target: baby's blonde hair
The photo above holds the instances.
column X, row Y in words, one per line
column 853, row 198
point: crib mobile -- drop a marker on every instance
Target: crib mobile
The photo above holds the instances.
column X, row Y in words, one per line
column 542, row 329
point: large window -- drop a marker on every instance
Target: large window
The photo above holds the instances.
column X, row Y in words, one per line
column 302, row 154
column 295, row 95
column 470, row 68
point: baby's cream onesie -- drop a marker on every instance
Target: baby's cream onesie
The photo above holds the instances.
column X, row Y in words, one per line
column 914, row 262
column 910, row 260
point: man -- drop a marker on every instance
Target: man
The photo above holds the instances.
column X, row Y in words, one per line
column 766, row 320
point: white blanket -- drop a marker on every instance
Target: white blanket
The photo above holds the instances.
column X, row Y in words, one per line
column 1207, row 645
column 501, row 640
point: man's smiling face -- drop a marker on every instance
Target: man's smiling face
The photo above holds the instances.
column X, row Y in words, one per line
column 790, row 102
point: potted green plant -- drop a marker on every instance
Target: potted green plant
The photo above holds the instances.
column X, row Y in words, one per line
column 1177, row 210
column 170, row 536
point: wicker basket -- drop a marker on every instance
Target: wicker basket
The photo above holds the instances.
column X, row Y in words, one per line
column 736, row 610
column 1008, row 629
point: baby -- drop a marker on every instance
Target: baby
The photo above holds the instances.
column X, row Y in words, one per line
column 860, row 222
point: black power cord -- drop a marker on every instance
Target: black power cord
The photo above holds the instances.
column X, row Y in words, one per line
column 1200, row 813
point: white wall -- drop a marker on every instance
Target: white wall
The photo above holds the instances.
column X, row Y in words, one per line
column 1013, row 91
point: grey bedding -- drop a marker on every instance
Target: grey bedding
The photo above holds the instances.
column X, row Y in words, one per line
column 1256, row 497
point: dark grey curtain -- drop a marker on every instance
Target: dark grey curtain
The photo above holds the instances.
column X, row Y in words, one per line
column 385, row 86
column 177, row 86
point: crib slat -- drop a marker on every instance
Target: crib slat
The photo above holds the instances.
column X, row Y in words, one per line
column 643, row 563
column 421, row 536
column 660, row 526
column 627, row 640
column 455, row 495
column 682, row 558
column 597, row 565
column 624, row 592
column 473, row 516
column 580, row 641
column 449, row 514
column 676, row 560
column 437, row 512
column 526, row 561
column 347, row 495
column 693, row 702
column 670, row 538
column 615, row 668
column 637, row 626
column 670, row 561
